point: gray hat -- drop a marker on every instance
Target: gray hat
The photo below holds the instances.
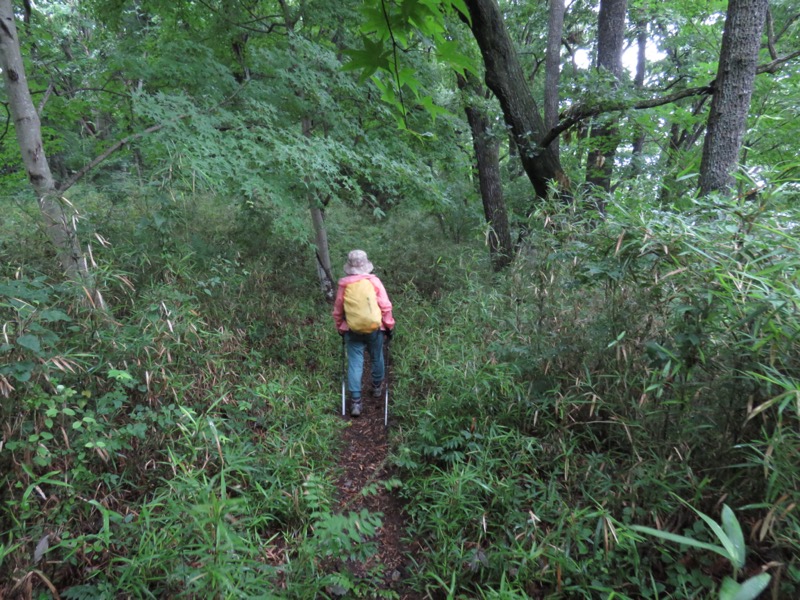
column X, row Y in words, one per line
column 357, row 263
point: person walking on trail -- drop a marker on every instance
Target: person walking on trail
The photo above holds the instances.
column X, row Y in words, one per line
column 362, row 313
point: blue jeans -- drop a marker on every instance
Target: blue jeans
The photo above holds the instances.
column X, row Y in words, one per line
column 356, row 343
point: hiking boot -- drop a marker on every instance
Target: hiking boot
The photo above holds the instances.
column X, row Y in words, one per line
column 376, row 390
column 355, row 408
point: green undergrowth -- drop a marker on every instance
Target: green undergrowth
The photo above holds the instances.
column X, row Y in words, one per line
column 174, row 458
column 622, row 376
column 619, row 372
column 185, row 443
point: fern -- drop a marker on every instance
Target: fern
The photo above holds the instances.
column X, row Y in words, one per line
column 347, row 535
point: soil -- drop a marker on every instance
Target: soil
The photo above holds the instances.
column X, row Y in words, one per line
column 363, row 462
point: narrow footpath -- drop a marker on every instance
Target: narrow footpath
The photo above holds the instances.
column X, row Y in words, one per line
column 364, row 462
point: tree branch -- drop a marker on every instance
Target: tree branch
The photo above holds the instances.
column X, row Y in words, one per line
column 246, row 25
column 109, row 151
column 580, row 112
column 786, row 25
column 117, row 145
column 772, row 66
column 45, row 98
column 770, row 27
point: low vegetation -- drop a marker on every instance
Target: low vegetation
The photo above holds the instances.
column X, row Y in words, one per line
column 623, row 375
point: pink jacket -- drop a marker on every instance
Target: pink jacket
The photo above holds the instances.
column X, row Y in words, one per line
column 383, row 302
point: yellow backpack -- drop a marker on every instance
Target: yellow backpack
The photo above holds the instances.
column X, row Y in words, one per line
column 361, row 310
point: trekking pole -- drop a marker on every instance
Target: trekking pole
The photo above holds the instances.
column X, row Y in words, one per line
column 386, row 394
column 344, row 376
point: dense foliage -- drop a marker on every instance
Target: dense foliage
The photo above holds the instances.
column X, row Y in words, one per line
column 616, row 414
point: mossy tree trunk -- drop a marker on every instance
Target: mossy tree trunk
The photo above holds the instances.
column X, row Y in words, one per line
column 323, row 256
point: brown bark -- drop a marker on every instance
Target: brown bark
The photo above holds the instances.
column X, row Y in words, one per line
column 555, row 29
column 738, row 62
column 504, row 76
column 487, row 157
column 57, row 213
column 604, row 137
column 638, row 83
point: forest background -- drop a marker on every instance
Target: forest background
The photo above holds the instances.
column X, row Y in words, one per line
column 595, row 375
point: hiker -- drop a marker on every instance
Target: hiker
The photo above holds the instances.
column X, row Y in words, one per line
column 362, row 313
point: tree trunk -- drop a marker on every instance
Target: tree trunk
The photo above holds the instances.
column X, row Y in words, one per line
column 738, row 59
column 555, row 30
column 324, row 271
column 323, row 256
column 505, row 78
column 638, row 82
column 57, row 213
column 487, row 157
column 604, row 137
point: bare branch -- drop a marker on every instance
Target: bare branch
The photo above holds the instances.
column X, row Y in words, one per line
column 247, row 25
column 771, row 35
column 789, row 22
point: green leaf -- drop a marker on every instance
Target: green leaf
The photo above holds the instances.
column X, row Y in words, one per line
column 120, row 375
column 730, row 549
column 374, row 20
column 461, row 7
column 53, row 314
column 407, row 77
column 734, row 532
column 22, row 373
column 748, row 590
column 422, row 15
column 434, row 110
column 31, row 342
column 680, row 539
column 374, row 56
column 451, row 54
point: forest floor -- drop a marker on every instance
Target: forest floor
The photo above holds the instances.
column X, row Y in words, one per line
column 363, row 462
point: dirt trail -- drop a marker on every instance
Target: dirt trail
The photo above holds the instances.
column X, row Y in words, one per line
column 363, row 461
